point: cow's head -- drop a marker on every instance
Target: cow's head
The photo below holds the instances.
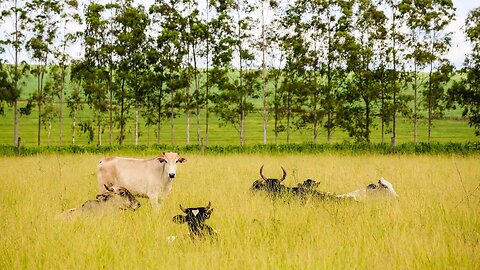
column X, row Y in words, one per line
column 309, row 184
column 119, row 196
column 170, row 160
column 268, row 184
column 194, row 216
column 382, row 187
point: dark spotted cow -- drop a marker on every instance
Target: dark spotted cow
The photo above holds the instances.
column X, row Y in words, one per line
column 195, row 218
column 115, row 197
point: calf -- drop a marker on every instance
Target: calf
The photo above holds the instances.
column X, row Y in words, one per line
column 195, row 219
column 114, row 197
column 382, row 188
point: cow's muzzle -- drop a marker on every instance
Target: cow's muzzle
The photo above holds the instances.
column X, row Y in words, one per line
column 171, row 175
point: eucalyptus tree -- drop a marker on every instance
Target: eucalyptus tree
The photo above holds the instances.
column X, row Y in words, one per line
column 14, row 11
column 74, row 103
column 276, row 62
column 69, row 19
column 131, row 41
column 364, row 44
column 466, row 92
column 233, row 102
column 429, row 42
column 43, row 21
column 390, row 69
column 90, row 70
column 171, row 49
column 327, row 24
column 265, row 7
column 295, row 44
column 194, row 38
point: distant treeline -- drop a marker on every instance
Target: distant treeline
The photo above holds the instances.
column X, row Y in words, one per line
column 341, row 148
column 331, row 65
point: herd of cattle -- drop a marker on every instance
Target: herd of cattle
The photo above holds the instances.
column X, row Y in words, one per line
column 121, row 179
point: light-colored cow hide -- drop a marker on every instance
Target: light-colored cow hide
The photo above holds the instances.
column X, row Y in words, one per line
column 382, row 189
column 144, row 177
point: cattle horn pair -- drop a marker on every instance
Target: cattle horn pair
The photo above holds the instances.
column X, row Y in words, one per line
column 184, row 210
column 264, row 178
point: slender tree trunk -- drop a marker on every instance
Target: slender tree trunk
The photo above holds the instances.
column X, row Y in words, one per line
column 187, row 108
column 367, row 120
column 74, row 122
column 197, row 93
column 288, row 116
column 394, row 120
column 39, row 101
column 110, row 104
column 49, row 131
column 430, row 102
column 60, row 113
column 430, row 116
column 264, row 77
column 207, row 82
column 136, row 123
column 15, row 102
column 275, row 108
column 159, row 121
column 122, row 111
column 415, row 98
column 99, row 128
column 171, row 117
column 15, row 121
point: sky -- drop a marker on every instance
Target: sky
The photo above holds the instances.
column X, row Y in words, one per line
column 460, row 47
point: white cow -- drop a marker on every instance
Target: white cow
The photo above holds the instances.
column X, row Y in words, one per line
column 382, row 189
column 144, row 177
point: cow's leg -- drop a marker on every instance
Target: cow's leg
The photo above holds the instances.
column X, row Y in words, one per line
column 154, row 201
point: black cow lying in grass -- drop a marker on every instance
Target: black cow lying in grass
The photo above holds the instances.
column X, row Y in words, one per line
column 195, row 218
column 274, row 188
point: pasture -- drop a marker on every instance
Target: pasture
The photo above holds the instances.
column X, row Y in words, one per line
column 435, row 224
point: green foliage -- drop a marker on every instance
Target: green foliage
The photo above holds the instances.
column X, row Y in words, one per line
column 468, row 148
column 466, row 92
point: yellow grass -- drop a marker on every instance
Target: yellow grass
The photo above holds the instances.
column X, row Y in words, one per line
column 434, row 225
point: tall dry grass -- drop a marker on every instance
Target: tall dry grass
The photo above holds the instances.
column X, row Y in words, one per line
column 434, row 224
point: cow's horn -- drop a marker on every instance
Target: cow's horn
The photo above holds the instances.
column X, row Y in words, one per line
column 284, row 174
column 183, row 209
column 108, row 188
column 208, row 206
column 261, row 174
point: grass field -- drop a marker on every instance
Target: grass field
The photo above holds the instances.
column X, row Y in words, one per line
column 435, row 223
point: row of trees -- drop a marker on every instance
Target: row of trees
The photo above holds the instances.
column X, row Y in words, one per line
column 324, row 64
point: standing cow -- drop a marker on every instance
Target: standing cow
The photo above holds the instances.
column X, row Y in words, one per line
column 144, row 177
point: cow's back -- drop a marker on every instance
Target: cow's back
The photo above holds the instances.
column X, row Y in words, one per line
column 133, row 174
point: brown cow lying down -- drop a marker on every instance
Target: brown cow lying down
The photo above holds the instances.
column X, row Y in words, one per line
column 115, row 197
column 382, row 189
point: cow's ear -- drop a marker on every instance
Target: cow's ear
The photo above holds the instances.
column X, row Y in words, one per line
column 179, row 219
column 182, row 160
